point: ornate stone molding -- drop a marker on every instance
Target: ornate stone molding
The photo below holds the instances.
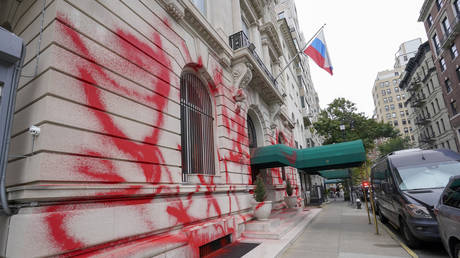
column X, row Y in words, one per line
column 242, row 74
column 175, row 9
column 203, row 31
column 270, row 30
column 258, row 6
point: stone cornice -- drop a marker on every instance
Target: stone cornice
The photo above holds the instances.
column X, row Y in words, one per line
column 184, row 12
column 426, row 7
column 286, row 32
column 174, row 8
column 258, row 6
column 249, row 11
column 272, row 34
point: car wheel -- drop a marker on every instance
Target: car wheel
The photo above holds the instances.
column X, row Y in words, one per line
column 457, row 251
column 382, row 218
column 411, row 240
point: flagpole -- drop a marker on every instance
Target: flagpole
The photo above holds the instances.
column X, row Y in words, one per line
column 306, row 45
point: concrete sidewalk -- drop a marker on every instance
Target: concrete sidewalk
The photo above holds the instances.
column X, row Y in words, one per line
column 343, row 231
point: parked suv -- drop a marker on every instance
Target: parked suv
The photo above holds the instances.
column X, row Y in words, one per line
column 448, row 216
column 407, row 184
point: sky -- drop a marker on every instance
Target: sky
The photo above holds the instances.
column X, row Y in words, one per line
column 362, row 37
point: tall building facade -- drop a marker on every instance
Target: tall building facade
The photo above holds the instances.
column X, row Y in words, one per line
column 389, row 99
column 426, row 104
column 442, row 25
column 149, row 111
column 301, row 95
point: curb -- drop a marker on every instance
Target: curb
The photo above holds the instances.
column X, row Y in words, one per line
column 404, row 246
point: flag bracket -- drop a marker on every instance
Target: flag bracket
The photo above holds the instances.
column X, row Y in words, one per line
column 306, row 45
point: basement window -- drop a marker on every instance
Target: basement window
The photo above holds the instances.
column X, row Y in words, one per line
column 215, row 245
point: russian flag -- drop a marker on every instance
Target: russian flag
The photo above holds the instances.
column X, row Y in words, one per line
column 317, row 50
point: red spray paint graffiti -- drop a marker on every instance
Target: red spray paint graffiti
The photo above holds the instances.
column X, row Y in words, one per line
column 136, row 52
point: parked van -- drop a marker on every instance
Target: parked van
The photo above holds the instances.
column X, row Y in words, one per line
column 407, row 184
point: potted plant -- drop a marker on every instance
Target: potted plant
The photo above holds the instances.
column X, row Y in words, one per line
column 290, row 200
column 262, row 208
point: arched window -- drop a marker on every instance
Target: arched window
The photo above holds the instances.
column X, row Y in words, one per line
column 252, row 133
column 197, row 130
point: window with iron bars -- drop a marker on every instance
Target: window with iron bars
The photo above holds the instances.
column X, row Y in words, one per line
column 197, row 130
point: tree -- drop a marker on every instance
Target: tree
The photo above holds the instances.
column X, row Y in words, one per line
column 357, row 125
column 394, row 144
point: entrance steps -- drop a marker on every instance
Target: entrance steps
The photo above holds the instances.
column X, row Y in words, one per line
column 278, row 224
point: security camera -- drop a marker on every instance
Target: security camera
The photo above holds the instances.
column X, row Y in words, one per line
column 34, row 130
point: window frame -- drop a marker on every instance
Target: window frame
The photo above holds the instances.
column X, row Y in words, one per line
column 209, row 166
column 453, row 106
column 448, row 85
column 429, row 21
column 442, row 64
column 453, row 51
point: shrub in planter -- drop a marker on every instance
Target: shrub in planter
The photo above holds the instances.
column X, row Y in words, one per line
column 262, row 208
column 259, row 192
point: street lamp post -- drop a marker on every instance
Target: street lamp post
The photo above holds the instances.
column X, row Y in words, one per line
column 342, row 128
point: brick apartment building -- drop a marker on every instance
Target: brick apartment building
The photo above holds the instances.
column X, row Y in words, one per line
column 442, row 24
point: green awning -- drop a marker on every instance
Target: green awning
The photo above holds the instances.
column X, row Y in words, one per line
column 272, row 156
column 335, row 173
column 333, row 156
column 333, row 181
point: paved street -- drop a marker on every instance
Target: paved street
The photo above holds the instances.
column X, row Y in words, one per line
column 343, row 231
column 429, row 250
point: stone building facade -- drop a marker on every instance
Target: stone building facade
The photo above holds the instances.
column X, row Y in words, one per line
column 442, row 26
column 389, row 99
column 302, row 96
column 426, row 105
column 148, row 113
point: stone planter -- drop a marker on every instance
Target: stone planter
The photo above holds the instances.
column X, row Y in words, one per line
column 291, row 201
column 262, row 210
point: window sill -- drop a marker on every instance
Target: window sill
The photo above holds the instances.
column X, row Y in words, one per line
column 204, row 179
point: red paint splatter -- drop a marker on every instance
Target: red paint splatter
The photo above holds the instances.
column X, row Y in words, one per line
column 292, row 158
column 259, row 205
column 57, row 227
column 154, row 60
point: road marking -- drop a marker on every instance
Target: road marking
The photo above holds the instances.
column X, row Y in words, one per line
column 408, row 250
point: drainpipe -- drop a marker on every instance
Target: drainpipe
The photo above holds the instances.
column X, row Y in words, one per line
column 12, row 97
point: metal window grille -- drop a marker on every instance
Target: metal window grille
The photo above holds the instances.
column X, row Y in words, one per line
column 196, row 127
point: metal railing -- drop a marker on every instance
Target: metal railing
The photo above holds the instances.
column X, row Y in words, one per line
column 421, row 120
column 417, row 100
column 240, row 40
column 428, row 74
column 427, row 138
column 196, row 127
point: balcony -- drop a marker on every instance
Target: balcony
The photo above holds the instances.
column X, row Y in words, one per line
column 448, row 39
column 414, row 86
column 427, row 138
column 428, row 74
column 262, row 76
column 423, row 120
column 417, row 100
